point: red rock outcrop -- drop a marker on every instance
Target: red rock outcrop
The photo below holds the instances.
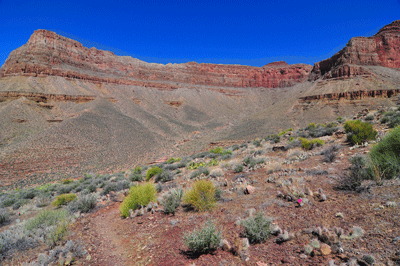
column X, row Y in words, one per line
column 382, row 49
column 352, row 95
column 47, row 53
column 44, row 97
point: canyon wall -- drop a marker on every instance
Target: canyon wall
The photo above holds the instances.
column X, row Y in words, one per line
column 47, row 53
column 382, row 49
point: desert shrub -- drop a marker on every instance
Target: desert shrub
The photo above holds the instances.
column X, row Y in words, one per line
column 217, row 150
column 273, row 138
column 27, row 194
column 172, row 200
column 63, row 199
column 84, row 203
column 4, row 217
column 249, row 161
column 53, row 256
column 225, row 157
column 330, row 153
column 385, row 156
column 46, row 218
column 257, row 143
column 65, row 189
column 238, row 168
column 216, row 173
column 358, row 132
column 293, row 144
column 67, row 181
column 152, row 172
column 309, row 144
column 369, row 118
column 202, row 196
column 42, row 201
column 282, row 133
column 107, row 188
column 203, row 240
column 57, row 233
column 257, row 228
column 200, row 155
column 199, row 172
column 392, row 119
column 194, row 165
column 235, row 147
column 164, row 176
column 138, row 196
column 340, row 119
column 352, row 179
column 173, row 160
column 19, row 203
column 136, row 177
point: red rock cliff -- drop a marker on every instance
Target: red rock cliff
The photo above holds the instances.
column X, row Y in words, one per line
column 47, row 53
column 382, row 49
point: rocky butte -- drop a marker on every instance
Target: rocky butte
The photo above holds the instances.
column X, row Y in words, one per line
column 49, row 54
column 382, row 49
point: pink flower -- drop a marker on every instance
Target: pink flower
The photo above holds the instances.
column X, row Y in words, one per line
column 299, row 201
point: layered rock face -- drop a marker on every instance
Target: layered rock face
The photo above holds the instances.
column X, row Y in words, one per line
column 47, row 53
column 382, row 49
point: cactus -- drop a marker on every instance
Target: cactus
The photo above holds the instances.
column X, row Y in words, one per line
column 368, row 259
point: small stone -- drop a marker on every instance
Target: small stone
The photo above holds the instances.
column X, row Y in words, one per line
column 325, row 249
column 391, row 204
column 303, row 256
column 69, row 258
column 245, row 244
column 174, row 222
column 250, row 212
column 339, row 214
column 315, row 244
column 249, row 190
column 322, row 197
column 308, row 249
column 260, row 263
column 275, row 230
column 226, row 246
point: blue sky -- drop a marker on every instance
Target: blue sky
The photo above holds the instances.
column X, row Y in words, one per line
column 251, row 32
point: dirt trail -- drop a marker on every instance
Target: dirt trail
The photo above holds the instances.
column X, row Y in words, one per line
column 100, row 232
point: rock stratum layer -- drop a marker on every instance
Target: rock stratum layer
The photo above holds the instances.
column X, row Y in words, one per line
column 49, row 54
column 382, row 49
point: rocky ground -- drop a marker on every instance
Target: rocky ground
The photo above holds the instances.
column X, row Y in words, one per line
column 329, row 227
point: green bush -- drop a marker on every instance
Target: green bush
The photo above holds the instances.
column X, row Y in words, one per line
column 203, row 240
column 45, row 219
column 257, row 228
column 172, row 200
column 152, row 172
column 282, row 133
column 217, row 150
column 238, row 168
column 67, row 181
column 257, row 143
column 194, row 165
column 385, row 156
column 309, row 144
column 138, row 196
column 63, row 199
column 202, row 196
column 173, row 160
column 358, row 132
